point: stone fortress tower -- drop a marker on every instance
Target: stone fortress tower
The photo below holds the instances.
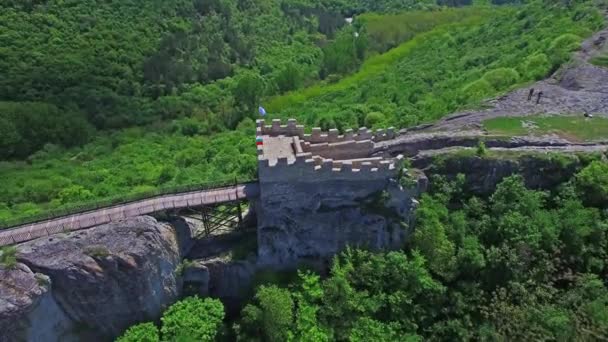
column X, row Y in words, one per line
column 320, row 192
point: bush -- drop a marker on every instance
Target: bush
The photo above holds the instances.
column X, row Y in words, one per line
column 592, row 183
column 478, row 90
column 536, row 66
column 193, row 319
column 562, row 46
column 8, row 257
column 481, row 149
column 374, row 119
column 143, row 332
column 501, row 78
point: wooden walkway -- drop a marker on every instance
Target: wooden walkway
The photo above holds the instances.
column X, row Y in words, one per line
column 147, row 206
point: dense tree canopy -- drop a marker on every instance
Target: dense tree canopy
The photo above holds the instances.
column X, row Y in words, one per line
column 190, row 319
column 116, row 64
column 519, row 265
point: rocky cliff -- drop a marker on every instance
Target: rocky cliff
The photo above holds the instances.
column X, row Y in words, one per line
column 311, row 221
column 92, row 284
column 482, row 174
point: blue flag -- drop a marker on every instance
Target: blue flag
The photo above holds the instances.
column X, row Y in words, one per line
column 262, row 111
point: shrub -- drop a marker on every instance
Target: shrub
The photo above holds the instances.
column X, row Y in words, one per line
column 536, row 66
column 478, row 90
column 501, row 78
column 592, row 183
column 193, row 319
column 8, row 257
column 562, row 46
column 143, row 332
column 481, row 149
column 374, row 119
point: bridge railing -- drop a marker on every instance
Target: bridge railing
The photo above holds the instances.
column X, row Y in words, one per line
column 118, row 200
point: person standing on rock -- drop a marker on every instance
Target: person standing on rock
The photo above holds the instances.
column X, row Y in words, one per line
column 540, row 94
column 530, row 94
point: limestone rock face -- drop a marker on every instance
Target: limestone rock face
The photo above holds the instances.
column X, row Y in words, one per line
column 227, row 280
column 483, row 174
column 102, row 280
column 311, row 221
column 28, row 311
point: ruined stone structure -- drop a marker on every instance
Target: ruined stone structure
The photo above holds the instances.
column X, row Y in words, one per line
column 317, row 193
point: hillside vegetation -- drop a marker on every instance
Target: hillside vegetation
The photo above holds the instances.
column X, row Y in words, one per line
column 447, row 69
column 441, row 66
column 518, row 265
column 77, row 66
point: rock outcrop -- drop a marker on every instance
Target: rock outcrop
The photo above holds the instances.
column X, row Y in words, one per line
column 28, row 311
column 93, row 283
column 482, row 174
column 230, row 281
column 300, row 222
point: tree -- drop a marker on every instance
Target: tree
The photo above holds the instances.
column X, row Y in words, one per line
column 431, row 240
column 9, row 138
column 143, row 332
column 592, row 183
column 249, row 88
column 271, row 316
column 193, row 319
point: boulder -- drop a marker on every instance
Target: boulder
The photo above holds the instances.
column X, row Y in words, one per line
column 102, row 279
column 28, row 311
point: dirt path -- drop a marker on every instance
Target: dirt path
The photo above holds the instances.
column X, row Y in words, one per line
column 537, row 149
column 576, row 88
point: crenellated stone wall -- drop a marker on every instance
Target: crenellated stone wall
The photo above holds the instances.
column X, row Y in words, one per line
column 314, row 193
column 291, row 128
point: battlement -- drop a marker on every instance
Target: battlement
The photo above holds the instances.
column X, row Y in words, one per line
column 288, row 155
column 291, row 128
column 276, row 129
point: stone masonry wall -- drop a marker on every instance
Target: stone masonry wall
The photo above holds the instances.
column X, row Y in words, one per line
column 315, row 194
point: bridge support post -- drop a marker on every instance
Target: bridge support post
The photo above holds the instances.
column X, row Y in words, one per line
column 238, row 205
column 205, row 219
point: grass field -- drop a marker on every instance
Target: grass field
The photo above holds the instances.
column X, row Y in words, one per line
column 573, row 127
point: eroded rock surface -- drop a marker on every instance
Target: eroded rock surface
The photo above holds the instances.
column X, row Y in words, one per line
column 312, row 221
column 100, row 281
column 28, row 311
column 228, row 280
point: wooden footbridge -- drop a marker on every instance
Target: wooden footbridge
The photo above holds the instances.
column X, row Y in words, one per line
column 197, row 200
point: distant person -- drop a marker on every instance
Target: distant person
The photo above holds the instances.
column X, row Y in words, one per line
column 540, row 94
column 530, row 94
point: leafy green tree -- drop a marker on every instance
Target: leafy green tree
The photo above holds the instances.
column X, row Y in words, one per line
column 592, row 183
column 290, row 77
column 9, row 138
column 431, row 238
column 143, row 332
column 271, row 316
column 193, row 319
column 249, row 88
column 366, row 329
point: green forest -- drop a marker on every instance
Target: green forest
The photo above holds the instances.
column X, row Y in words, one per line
column 518, row 265
column 101, row 100
column 118, row 98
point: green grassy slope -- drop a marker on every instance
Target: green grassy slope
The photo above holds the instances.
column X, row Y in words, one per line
column 573, row 127
column 446, row 69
